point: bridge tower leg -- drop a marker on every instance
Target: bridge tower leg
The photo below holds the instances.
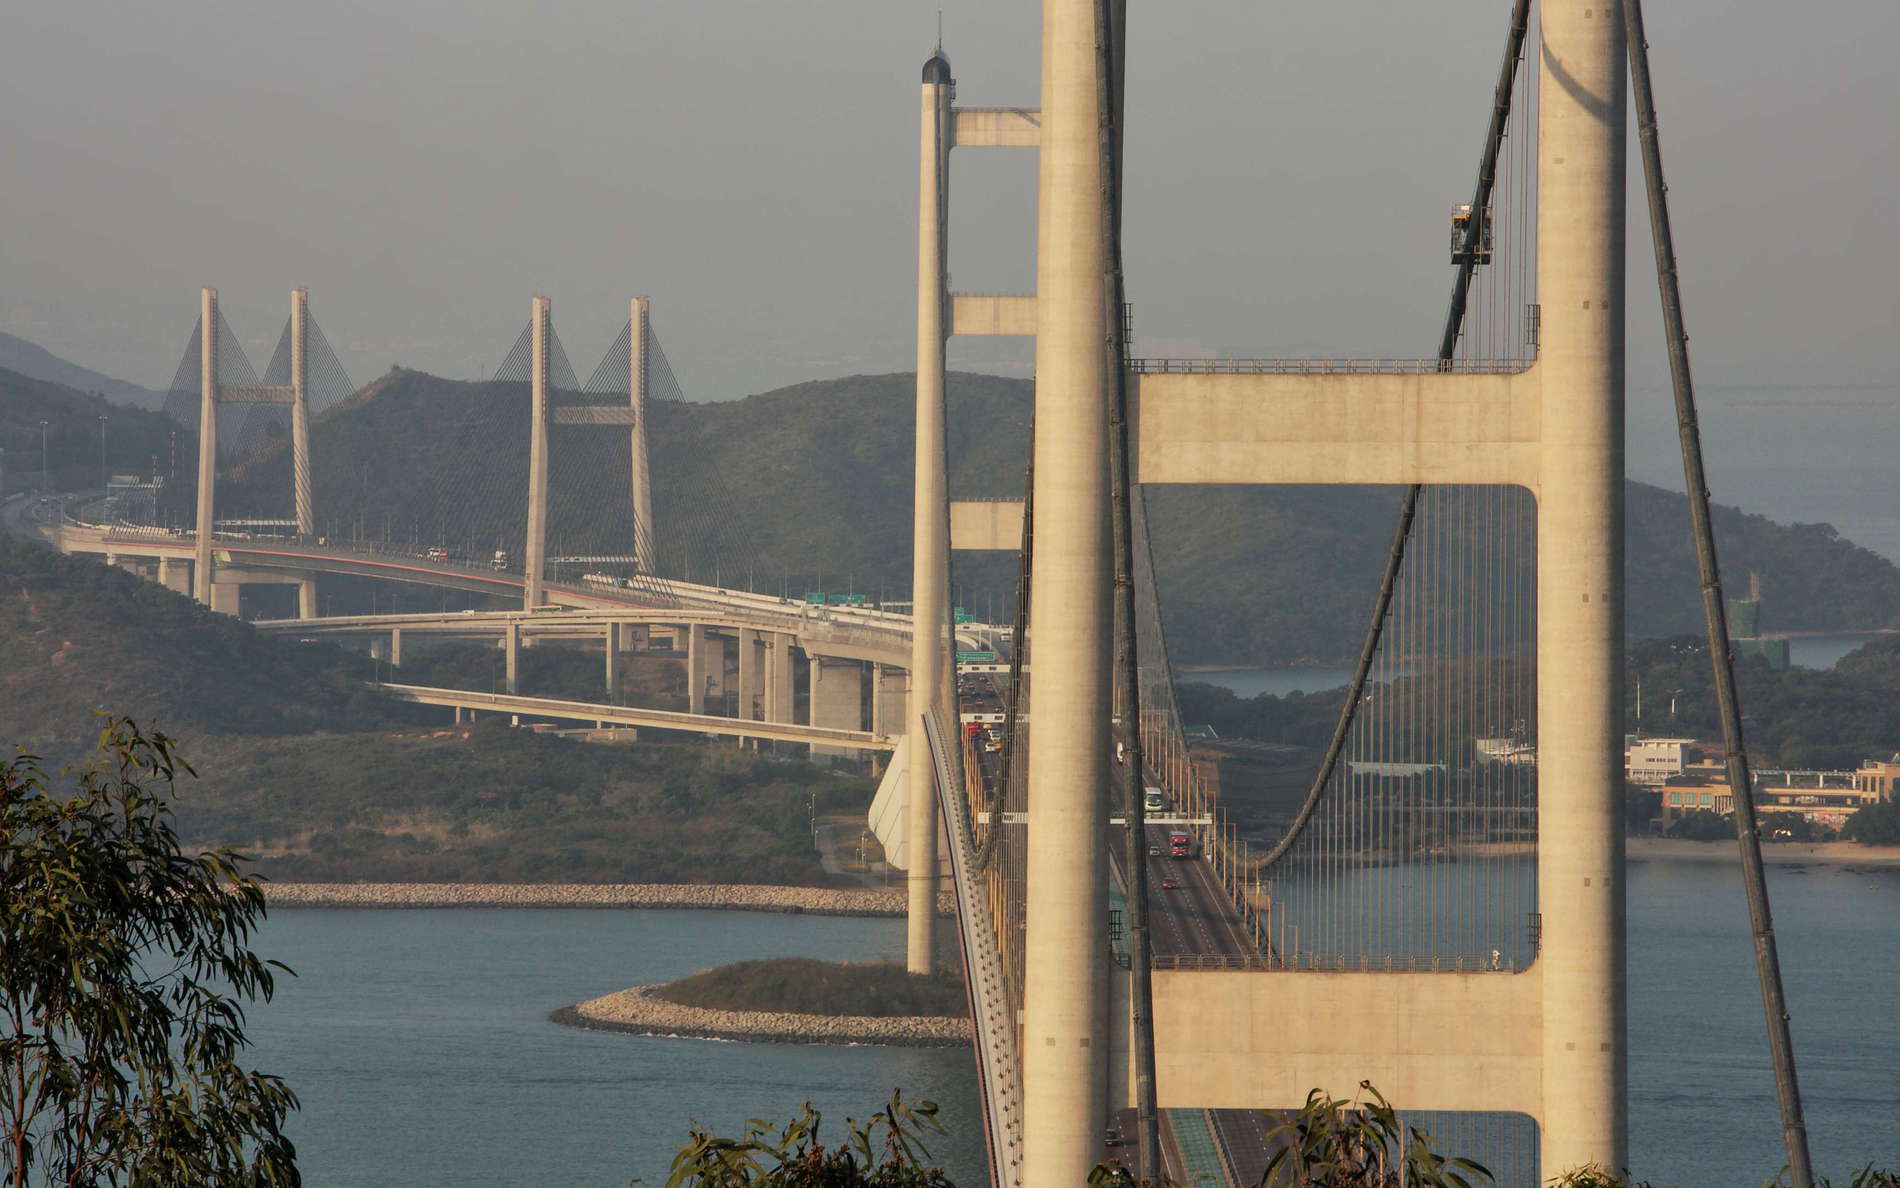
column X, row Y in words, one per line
column 1582, row 156
column 930, row 526
column 300, row 443
column 207, row 443
column 1065, row 1037
column 535, row 546
column 641, row 478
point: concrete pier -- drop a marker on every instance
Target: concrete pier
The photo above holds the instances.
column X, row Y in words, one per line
column 837, row 700
column 704, row 654
column 175, row 574
column 778, row 678
column 751, row 676
column 511, row 662
column 890, row 691
column 610, row 646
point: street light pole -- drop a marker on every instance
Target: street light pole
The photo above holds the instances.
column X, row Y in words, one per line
column 46, row 480
column 104, row 480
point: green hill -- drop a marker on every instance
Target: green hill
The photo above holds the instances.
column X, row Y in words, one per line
column 809, row 487
column 1796, row 718
column 803, row 986
column 298, row 763
column 135, row 439
column 78, row 636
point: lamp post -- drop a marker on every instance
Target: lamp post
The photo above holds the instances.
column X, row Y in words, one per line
column 46, row 480
column 105, row 483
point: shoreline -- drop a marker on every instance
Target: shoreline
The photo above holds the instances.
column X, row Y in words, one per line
column 1836, row 853
column 889, row 902
column 635, row 1011
column 729, row 897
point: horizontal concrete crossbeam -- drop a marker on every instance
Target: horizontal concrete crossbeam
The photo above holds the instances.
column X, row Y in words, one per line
column 595, row 414
column 993, row 314
column 1434, row 1041
column 986, row 524
column 257, row 394
column 1291, row 428
column 996, row 127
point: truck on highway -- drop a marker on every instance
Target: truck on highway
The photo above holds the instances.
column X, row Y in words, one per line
column 499, row 560
column 1152, row 801
column 1180, row 845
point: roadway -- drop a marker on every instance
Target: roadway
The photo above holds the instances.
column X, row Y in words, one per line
column 1189, row 916
column 624, row 715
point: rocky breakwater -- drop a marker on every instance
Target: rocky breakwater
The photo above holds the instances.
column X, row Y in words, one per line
column 748, row 897
column 639, row 1011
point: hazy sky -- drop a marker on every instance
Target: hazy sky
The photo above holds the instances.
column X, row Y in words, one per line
column 425, row 166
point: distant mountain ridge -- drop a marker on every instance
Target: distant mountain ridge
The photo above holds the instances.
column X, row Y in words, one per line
column 35, row 361
column 809, row 487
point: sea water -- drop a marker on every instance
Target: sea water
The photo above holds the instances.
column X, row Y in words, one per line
column 420, row 1043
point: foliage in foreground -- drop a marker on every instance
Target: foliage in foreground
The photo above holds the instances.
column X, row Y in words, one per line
column 886, row 1151
column 805, row 986
column 1597, row 1176
column 124, row 970
column 1332, row 1143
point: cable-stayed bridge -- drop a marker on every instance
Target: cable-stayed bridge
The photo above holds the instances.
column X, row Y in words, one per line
column 1440, row 914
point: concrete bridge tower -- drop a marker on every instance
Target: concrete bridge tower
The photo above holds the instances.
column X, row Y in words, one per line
column 300, row 441
column 930, row 661
column 534, row 548
column 207, row 444
column 1548, row 1041
column 213, row 395
column 1065, row 1036
column 638, row 370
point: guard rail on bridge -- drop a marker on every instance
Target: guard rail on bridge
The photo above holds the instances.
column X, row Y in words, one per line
column 999, row 1071
column 1328, row 366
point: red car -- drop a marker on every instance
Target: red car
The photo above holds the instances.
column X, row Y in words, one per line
column 1170, row 885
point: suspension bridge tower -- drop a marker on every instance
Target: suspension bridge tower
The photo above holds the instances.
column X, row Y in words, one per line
column 1547, row 1041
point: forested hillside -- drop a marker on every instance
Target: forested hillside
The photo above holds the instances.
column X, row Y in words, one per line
column 77, row 636
column 300, row 763
column 809, row 487
column 134, row 437
column 1798, row 718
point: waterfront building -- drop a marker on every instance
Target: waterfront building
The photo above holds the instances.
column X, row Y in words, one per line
column 1879, row 776
column 1822, row 798
column 1651, row 761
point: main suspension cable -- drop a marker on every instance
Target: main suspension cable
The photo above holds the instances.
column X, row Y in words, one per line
column 1111, row 18
column 1794, row 1132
